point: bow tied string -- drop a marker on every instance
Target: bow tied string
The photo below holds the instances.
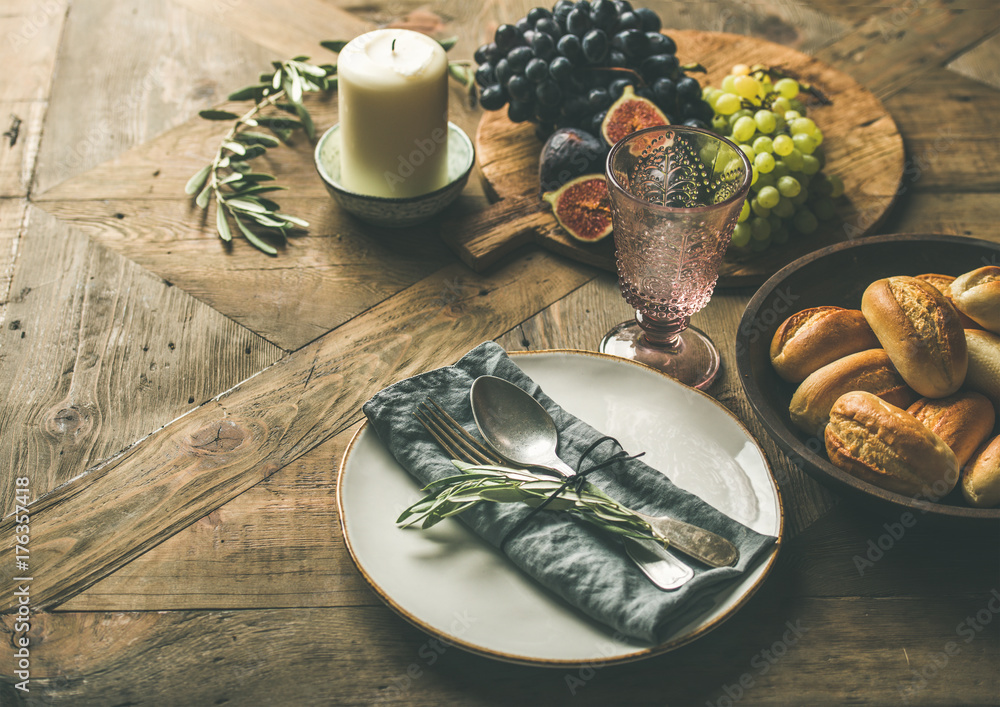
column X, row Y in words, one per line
column 574, row 482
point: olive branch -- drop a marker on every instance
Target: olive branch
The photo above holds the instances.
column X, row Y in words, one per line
column 497, row 484
column 229, row 179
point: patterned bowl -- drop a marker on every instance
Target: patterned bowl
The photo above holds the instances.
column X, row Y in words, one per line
column 387, row 211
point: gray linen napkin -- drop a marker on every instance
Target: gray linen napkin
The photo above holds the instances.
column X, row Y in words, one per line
column 586, row 567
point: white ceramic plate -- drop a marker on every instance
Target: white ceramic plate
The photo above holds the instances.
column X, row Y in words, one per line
column 456, row 587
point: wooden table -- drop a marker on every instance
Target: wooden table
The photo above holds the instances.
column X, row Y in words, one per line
column 179, row 408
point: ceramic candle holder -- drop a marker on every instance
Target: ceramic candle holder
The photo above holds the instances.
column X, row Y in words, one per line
column 391, row 212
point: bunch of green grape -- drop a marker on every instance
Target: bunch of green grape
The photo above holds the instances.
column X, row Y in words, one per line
column 789, row 193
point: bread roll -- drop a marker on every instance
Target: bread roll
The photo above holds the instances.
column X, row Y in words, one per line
column 977, row 294
column 887, row 446
column 984, row 363
column 814, row 337
column 870, row 371
column 919, row 329
column 943, row 285
column 981, row 477
column 963, row 420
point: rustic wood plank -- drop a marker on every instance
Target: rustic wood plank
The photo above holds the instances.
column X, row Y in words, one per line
column 963, row 214
column 980, row 62
column 87, row 529
column 892, row 49
column 276, row 545
column 285, row 30
column 788, row 650
column 31, row 33
column 581, row 319
column 949, row 123
column 179, row 62
column 11, row 215
column 23, row 120
column 80, row 322
column 319, row 280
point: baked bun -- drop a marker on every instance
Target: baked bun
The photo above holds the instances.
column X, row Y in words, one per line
column 814, row 337
column 981, row 477
column 870, row 371
column 977, row 295
column 943, row 285
column 919, row 329
column 963, row 420
column 984, row 363
column 888, row 447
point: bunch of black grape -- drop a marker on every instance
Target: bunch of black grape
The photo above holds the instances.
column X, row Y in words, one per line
column 564, row 67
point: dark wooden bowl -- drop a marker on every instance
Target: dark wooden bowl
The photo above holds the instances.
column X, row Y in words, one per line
column 838, row 275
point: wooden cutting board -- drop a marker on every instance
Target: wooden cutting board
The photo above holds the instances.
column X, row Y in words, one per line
column 862, row 143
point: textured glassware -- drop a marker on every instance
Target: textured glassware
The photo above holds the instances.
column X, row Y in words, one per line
column 676, row 193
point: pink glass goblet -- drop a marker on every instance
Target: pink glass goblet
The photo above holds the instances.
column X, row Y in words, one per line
column 676, row 193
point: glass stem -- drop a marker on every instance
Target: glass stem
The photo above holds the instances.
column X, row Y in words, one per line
column 662, row 334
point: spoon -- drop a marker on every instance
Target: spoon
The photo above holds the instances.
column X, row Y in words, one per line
column 522, row 431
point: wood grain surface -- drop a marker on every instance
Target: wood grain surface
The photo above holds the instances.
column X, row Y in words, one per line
column 194, row 599
column 862, row 145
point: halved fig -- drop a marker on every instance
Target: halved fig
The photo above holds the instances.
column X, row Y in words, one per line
column 629, row 114
column 582, row 207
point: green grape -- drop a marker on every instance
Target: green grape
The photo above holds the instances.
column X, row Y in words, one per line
column 764, row 162
column 758, row 208
column 797, row 105
column 763, row 144
column 789, row 186
column 709, row 94
column 810, row 165
column 823, row 208
column 818, row 137
column 741, row 235
column 746, row 86
column 805, row 221
column 727, row 104
column 739, row 114
column 766, row 180
column 728, row 84
column 801, row 198
column 821, row 186
column 780, row 105
column 766, row 121
column 794, row 160
column 802, row 125
column 744, row 212
column 743, row 129
column 754, row 175
column 760, row 229
column 720, row 124
column 783, row 145
column 836, row 184
column 787, row 88
column 780, row 169
column 748, row 151
column 805, row 144
column 734, row 165
column 768, row 198
column 784, row 209
column 791, row 115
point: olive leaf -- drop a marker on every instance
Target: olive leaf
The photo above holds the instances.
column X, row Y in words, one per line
column 479, row 483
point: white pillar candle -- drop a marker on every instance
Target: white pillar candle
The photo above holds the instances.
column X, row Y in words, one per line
column 393, row 102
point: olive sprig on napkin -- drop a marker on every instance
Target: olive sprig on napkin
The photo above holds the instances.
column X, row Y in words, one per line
column 497, row 484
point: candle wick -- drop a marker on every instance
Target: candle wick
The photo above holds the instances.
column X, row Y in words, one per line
column 393, row 49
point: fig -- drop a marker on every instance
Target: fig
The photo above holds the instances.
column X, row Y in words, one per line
column 569, row 153
column 629, row 114
column 582, row 207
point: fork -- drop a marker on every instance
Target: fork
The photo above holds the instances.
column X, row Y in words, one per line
column 662, row 568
